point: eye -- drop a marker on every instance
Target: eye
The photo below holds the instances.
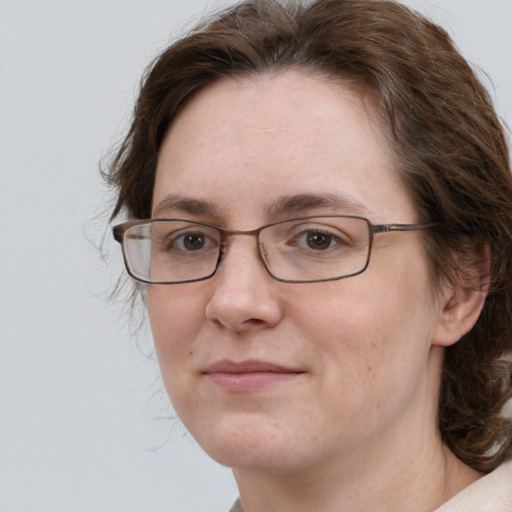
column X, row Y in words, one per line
column 313, row 237
column 191, row 241
column 317, row 240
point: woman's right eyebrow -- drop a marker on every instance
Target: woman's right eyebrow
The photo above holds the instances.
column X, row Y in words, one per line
column 186, row 205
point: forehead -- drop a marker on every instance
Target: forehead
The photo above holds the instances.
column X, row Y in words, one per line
column 241, row 143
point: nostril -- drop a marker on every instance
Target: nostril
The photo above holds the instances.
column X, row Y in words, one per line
column 243, row 299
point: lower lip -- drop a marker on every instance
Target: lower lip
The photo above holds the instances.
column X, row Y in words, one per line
column 250, row 381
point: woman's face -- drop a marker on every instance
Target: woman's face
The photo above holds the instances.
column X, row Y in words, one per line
column 276, row 376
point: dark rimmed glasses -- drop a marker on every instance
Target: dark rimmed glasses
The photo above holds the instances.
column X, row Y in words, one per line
column 300, row 250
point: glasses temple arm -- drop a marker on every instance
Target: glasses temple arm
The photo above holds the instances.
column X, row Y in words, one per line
column 386, row 228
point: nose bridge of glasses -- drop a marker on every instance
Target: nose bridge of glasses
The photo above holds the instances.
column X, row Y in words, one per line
column 226, row 234
column 248, row 255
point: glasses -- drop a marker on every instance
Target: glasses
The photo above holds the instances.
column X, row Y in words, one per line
column 299, row 250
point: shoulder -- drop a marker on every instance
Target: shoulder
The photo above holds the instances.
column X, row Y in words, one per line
column 237, row 507
column 492, row 493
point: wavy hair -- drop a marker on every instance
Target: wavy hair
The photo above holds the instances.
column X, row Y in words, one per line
column 449, row 146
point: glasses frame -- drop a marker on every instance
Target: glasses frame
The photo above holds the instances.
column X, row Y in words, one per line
column 119, row 231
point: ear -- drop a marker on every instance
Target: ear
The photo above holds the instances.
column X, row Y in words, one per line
column 461, row 301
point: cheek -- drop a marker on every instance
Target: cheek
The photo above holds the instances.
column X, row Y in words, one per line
column 349, row 345
column 372, row 336
column 176, row 316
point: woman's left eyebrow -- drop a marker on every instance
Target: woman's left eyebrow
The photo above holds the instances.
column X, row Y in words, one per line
column 292, row 204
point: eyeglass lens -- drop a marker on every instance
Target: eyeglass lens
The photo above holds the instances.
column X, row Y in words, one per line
column 319, row 248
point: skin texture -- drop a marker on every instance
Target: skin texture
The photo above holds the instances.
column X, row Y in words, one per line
column 354, row 425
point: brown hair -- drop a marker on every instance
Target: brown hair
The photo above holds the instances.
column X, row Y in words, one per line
column 448, row 143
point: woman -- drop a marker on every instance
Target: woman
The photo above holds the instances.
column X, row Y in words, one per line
column 320, row 206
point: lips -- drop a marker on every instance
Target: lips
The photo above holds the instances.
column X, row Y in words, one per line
column 248, row 376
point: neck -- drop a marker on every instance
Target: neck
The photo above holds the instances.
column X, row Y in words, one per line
column 405, row 468
column 393, row 483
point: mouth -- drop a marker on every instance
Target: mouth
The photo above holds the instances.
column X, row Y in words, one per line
column 248, row 376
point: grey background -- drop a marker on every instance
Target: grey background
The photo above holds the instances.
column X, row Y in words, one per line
column 82, row 417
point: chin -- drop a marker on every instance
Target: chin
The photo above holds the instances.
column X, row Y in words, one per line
column 255, row 444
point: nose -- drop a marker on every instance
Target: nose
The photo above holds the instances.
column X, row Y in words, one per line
column 245, row 296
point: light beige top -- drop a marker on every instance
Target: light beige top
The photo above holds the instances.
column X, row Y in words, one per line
column 492, row 493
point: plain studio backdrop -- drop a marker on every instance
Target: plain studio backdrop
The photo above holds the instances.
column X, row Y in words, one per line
column 82, row 414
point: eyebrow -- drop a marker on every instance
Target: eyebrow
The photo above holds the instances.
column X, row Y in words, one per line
column 186, row 205
column 289, row 204
column 300, row 202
